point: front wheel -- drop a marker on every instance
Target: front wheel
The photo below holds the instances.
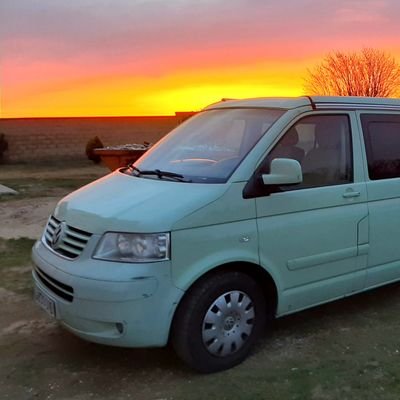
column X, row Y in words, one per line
column 218, row 321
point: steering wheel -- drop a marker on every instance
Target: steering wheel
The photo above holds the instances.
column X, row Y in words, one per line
column 201, row 161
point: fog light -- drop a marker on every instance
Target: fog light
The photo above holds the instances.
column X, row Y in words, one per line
column 120, row 327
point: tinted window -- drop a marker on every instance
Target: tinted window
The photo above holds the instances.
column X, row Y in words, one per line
column 382, row 143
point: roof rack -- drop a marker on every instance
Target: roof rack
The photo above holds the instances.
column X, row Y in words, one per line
column 353, row 103
column 355, row 106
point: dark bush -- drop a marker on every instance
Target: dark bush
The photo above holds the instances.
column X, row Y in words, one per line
column 3, row 146
column 94, row 143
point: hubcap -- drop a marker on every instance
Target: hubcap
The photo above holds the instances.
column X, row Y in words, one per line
column 228, row 323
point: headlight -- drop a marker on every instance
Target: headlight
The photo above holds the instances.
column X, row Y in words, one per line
column 133, row 247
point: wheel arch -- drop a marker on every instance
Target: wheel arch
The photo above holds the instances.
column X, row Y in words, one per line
column 258, row 273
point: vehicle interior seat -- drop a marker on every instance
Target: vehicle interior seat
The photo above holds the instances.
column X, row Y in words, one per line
column 321, row 165
column 287, row 147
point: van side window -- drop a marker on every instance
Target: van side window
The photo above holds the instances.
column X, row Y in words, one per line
column 382, row 144
column 322, row 146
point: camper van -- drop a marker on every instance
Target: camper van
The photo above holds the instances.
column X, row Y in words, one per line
column 250, row 210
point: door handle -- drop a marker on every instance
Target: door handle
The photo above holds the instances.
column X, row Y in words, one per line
column 349, row 195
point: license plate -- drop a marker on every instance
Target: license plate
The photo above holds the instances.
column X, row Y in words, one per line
column 45, row 302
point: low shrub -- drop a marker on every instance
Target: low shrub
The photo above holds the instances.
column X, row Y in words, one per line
column 3, row 146
column 94, row 143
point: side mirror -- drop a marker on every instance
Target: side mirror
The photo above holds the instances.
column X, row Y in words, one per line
column 284, row 171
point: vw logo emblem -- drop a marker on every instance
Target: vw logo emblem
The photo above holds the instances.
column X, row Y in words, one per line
column 57, row 235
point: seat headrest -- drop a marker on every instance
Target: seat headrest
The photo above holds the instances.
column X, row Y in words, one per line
column 291, row 137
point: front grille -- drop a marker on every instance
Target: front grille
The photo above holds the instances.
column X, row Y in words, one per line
column 65, row 239
column 60, row 289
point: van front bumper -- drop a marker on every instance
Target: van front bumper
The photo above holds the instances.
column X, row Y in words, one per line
column 119, row 304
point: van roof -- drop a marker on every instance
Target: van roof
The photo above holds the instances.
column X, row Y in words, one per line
column 316, row 102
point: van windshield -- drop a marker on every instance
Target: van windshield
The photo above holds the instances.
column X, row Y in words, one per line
column 209, row 146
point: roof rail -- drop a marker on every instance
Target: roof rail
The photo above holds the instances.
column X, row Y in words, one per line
column 311, row 102
column 355, row 106
column 355, row 103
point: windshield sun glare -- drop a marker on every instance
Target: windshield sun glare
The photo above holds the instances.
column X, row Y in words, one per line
column 209, row 146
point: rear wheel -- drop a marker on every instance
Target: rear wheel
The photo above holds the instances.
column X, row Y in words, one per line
column 218, row 321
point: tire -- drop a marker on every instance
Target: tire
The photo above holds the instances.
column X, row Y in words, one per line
column 218, row 321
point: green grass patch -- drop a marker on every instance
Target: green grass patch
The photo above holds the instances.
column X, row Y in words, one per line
column 15, row 252
column 15, row 264
column 50, row 179
column 31, row 188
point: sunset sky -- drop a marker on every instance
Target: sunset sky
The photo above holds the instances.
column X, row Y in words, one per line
column 155, row 57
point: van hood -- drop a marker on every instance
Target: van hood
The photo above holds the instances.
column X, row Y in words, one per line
column 120, row 202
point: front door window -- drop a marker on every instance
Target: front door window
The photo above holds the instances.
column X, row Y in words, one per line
column 322, row 146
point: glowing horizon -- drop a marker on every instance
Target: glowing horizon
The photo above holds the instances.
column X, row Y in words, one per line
column 121, row 58
column 170, row 94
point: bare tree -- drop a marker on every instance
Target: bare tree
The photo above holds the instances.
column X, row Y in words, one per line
column 370, row 72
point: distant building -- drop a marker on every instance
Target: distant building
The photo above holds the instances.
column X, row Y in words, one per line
column 184, row 115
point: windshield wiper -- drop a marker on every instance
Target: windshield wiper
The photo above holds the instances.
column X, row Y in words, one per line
column 131, row 166
column 160, row 174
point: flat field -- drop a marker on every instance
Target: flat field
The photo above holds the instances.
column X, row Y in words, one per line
column 349, row 349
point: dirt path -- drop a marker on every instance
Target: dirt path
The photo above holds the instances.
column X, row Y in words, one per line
column 26, row 217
